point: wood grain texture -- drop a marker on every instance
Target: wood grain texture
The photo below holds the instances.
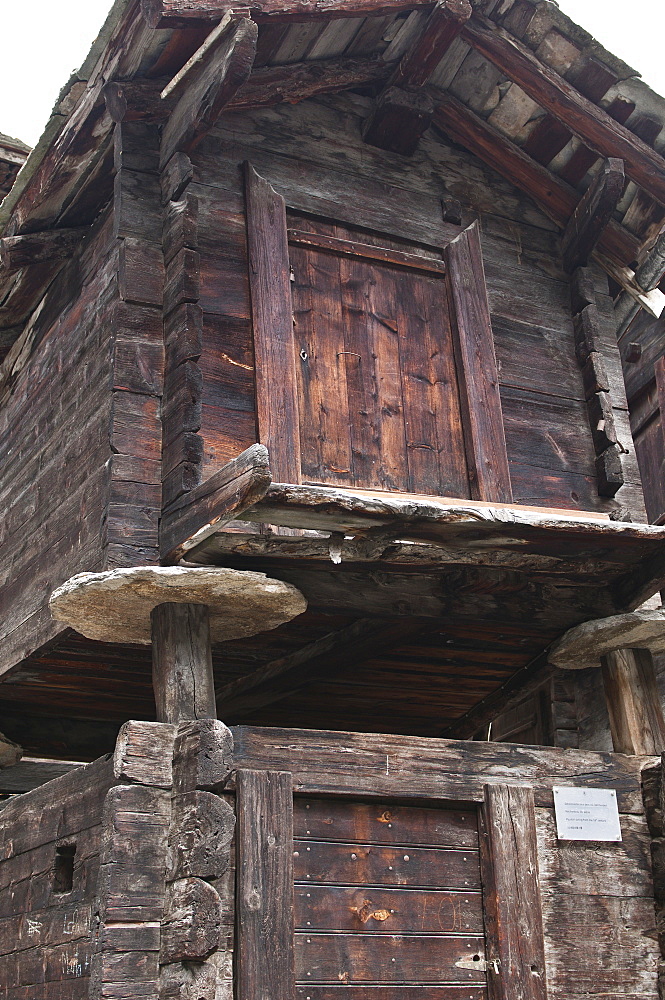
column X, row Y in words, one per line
column 272, row 318
column 279, row 678
column 34, row 248
column 182, row 663
column 382, row 766
column 206, row 508
column 265, row 885
column 556, row 199
column 633, row 703
column 186, row 13
column 584, row 118
column 476, row 363
column 592, row 215
column 214, row 79
column 513, row 914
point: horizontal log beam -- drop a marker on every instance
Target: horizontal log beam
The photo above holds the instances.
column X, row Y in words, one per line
column 189, row 13
column 36, row 248
column 138, row 101
column 592, row 215
column 207, row 83
column 333, row 654
column 584, row 118
column 556, row 199
column 197, row 514
column 141, row 100
column 29, row 774
column 298, row 81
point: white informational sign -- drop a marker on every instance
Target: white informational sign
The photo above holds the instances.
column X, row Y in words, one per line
column 587, row 814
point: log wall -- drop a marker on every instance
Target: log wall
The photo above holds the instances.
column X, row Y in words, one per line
column 49, row 876
column 314, row 156
column 80, row 396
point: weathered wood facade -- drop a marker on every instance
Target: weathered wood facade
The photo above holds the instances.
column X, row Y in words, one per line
column 330, row 292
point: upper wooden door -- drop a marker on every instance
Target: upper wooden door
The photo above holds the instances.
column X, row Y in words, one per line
column 375, row 363
column 377, row 386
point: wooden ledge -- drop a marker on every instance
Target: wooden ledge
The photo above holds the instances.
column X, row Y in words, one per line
column 585, row 645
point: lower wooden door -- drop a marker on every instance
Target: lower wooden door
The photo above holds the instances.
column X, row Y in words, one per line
column 343, row 899
column 388, row 902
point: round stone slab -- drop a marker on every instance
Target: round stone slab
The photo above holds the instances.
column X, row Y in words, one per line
column 583, row 646
column 115, row 606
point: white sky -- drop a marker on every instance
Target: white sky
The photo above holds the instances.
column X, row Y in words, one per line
column 45, row 40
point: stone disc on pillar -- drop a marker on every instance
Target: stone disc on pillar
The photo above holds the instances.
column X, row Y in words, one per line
column 115, row 606
column 582, row 647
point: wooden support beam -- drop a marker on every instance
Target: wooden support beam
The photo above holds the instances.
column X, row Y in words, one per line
column 398, row 120
column 440, row 31
column 190, row 13
column 197, row 514
column 585, row 119
column 207, row 83
column 329, row 656
column 182, row 663
column 31, row 773
column 141, row 100
column 265, row 914
column 484, row 434
column 298, row 81
column 592, row 215
column 513, row 911
column 400, row 116
column 633, row 702
column 556, row 199
column 35, row 248
column 138, row 101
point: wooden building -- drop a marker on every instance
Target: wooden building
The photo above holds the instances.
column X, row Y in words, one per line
column 313, row 421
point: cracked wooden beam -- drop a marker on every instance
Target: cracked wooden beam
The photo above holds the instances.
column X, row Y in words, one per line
column 592, row 215
column 206, row 84
column 402, row 114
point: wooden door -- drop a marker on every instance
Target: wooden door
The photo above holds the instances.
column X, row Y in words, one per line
column 375, row 363
column 341, row 899
column 378, row 393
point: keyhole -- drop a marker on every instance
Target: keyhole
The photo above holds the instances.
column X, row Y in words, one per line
column 303, row 354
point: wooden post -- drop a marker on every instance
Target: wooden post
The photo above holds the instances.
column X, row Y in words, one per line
column 633, row 705
column 182, row 663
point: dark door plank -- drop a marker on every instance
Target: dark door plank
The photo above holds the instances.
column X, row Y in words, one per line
column 384, row 823
column 389, row 958
column 371, row 865
column 391, row 911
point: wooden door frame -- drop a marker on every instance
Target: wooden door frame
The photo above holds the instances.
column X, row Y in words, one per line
column 274, row 347
column 514, row 939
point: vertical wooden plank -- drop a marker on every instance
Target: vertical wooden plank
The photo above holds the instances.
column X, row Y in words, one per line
column 264, row 803
column 324, row 414
column 272, row 319
column 477, row 371
column 360, row 375
column 437, row 461
column 513, row 915
column 381, row 288
column 633, row 702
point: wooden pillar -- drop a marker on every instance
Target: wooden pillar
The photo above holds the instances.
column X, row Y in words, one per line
column 633, row 704
column 182, row 675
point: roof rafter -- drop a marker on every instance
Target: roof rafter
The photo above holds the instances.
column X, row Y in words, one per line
column 586, row 120
column 556, row 199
